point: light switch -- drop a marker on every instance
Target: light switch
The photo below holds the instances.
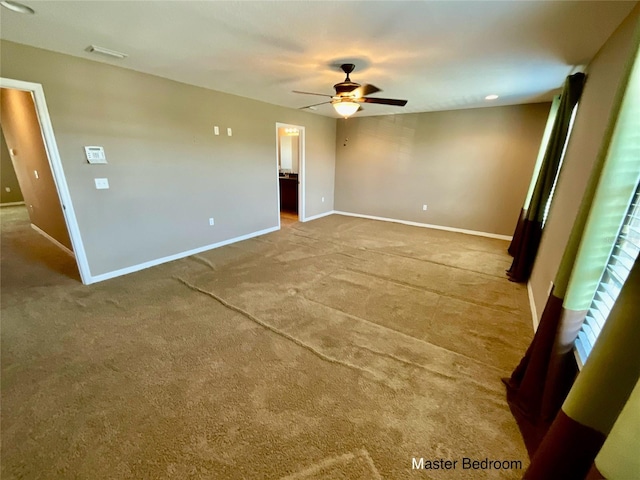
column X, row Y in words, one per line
column 35, row 173
column 102, row 183
column 229, row 132
column 216, row 130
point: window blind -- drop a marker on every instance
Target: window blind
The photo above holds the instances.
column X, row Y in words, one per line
column 623, row 256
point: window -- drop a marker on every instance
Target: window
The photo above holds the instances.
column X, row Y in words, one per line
column 624, row 254
column 555, row 180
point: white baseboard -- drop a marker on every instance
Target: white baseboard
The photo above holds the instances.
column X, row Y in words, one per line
column 426, row 225
column 11, row 204
column 177, row 256
column 53, row 240
column 320, row 215
column 532, row 304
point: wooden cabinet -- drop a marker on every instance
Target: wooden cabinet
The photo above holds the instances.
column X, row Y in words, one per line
column 289, row 194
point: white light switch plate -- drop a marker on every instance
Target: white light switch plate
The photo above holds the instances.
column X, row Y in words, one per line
column 229, row 132
column 102, row 183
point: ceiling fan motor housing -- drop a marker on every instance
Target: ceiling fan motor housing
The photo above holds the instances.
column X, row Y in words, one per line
column 347, row 86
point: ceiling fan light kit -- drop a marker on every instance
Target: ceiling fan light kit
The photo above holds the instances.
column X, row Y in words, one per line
column 346, row 107
column 349, row 95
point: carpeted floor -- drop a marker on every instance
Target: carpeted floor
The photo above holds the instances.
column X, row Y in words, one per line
column 335, row 349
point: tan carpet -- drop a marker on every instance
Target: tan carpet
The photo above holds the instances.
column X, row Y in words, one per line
column 334, row 349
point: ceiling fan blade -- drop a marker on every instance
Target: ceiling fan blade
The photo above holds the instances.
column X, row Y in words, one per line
column 311, row 93
column 365, row 90
column 383, row 101
column 314, row 105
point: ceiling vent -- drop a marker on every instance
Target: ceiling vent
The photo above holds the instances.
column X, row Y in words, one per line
column 106, row 51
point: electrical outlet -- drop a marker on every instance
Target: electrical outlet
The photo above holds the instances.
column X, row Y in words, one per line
column 212, row 221
column 424, row 208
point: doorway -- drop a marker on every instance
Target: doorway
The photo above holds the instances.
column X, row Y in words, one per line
column 34, row 154
column 290, row 156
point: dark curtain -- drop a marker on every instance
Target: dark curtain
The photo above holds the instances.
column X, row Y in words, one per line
column 542, row 380
column 565, row 417
column 517, row 234
column 597, row 397
column 526, row 239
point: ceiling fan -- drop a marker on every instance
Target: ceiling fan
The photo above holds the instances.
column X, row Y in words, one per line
column 349, row 95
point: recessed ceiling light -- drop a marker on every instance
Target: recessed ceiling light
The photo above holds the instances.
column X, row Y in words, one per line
column 106, row 51
column 491, row 97
column 17, row 7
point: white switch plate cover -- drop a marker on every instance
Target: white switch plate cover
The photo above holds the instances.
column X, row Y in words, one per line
column 229, row 132
column 212, row 221
column 216, row 130
column 35, row 172
column 424, row 207
column 102, row 183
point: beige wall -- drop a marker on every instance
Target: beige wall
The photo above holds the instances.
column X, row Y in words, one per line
column 603, row 78
column 8, row 176
column 470, row 167
column 23, row 135
column 167, row 171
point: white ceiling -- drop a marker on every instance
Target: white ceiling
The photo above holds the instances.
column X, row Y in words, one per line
column 439, row 55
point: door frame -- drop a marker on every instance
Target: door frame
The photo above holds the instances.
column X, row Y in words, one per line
column 301, row 173
column 55, row 164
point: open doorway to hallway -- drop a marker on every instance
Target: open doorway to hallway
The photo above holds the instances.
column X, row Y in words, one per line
column 39, row 210
column 290, row 157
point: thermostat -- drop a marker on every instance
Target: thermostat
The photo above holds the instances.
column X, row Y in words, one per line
column 95, row 155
